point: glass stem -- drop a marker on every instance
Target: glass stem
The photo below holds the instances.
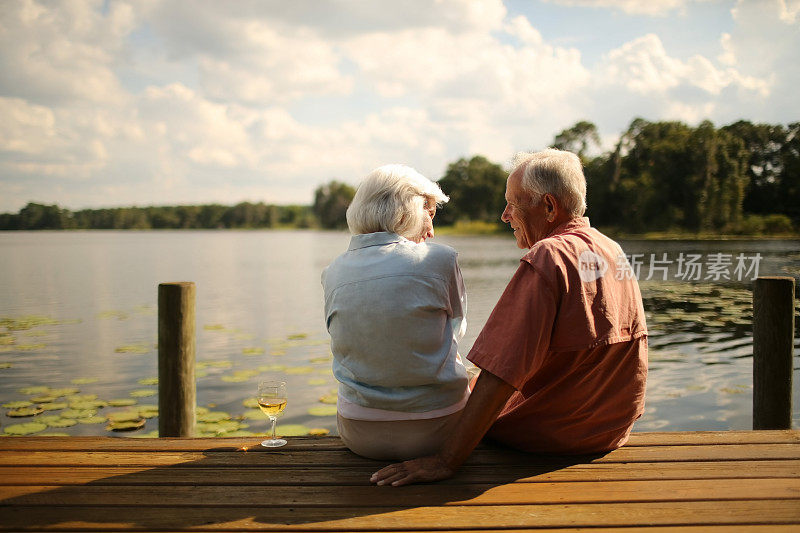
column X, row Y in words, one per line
column 273, row 419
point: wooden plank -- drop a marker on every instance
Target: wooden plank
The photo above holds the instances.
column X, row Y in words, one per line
column 731, row 452
column 350, row 518
column 411, row 496
column 739, row 528
column 359, row 475
column 334, row 443
column 676, row 438
column 161, row 444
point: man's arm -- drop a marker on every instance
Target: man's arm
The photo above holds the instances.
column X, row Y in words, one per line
column 484, row 405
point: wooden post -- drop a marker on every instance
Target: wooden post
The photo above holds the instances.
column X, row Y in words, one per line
column 773, row 344
column 176, row 356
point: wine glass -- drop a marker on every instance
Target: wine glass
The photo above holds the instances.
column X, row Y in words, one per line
column 272, row 400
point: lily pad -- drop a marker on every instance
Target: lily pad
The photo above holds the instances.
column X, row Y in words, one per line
column 320, row 360
column 92, row 420
column 318, row 432
column 322, row 410
column 213, row 416
column 53, row 406
column 292, row 430
column 4, row 364
column 78, row 413
column 329, row 399
column 24, row 412
column 148, row 411
column 133, row 348
column 220, row 428
column 44, row 398
column 84, row 381
column 317, row 381
column 121, row 402
column 143, row 393
column 119, row 315
column 65, row 391
column 28, row 428
column 17, row 405
column 123, row 416
column 253, row 350
column 253, row 414
column 83, row 397
column 63, row 423
column 47, row 419
column 131, row 425
column 53, row 434
column 88, row 404
column 297, row 336
column 250, row 403
column 214, row 327
column 240, row 376
column 27, row 322
column 214, row 364
column 277, row 352
column 148, row 381
column 34, row 390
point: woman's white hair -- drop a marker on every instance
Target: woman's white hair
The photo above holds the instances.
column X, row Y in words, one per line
column 553, row 171
column 392, row 198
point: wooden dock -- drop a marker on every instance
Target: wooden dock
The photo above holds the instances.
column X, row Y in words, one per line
column 696, row 481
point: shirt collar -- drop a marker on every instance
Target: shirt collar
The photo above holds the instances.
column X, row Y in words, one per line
column 378, row 238
column 570, row 225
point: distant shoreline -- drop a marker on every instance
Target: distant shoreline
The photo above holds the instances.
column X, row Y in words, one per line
column 459, row 230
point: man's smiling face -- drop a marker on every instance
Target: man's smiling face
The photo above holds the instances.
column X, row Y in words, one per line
column 528, row 219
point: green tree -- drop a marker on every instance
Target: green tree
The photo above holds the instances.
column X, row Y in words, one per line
column 476, row 188
column 330, row 204
column 578, row 138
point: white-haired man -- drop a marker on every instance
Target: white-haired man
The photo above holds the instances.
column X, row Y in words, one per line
column 563, row 355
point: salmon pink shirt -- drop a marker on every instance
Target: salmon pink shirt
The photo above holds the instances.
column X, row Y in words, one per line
column 569, row 334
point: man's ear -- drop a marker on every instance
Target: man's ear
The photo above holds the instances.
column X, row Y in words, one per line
column 550, row 207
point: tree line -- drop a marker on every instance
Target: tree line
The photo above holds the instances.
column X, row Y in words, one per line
column 243, row 215
column 660, row 176
column 667, row 176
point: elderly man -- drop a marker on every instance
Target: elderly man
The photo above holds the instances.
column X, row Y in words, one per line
column 563, row 356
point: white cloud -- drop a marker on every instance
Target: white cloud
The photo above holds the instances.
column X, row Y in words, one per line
column 631, row 7
column 62, row 51
column 644, row 66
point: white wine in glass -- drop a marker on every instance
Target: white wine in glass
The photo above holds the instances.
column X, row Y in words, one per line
column 272, row 400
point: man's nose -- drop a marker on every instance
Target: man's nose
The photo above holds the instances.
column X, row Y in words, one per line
column 505, row 217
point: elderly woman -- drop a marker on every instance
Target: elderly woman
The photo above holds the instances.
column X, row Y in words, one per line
column 395, row 309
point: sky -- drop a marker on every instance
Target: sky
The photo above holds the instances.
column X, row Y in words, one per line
column 178, row 102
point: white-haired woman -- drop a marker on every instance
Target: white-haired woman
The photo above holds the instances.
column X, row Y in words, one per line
column 395, row 309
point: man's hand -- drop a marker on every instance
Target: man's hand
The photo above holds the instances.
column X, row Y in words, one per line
column 430, row 468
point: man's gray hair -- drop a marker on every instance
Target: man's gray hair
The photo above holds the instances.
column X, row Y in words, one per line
column 557, row 172
column 392, row 198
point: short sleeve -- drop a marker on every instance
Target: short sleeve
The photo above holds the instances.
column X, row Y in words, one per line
column 458, row 303
column 516, row 338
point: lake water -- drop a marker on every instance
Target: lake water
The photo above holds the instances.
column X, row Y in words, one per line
column 79, row 312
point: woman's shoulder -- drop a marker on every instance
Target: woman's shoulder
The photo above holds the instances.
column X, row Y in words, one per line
column 433, row 255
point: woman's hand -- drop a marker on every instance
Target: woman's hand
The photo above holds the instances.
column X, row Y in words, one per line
column 430, row 468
